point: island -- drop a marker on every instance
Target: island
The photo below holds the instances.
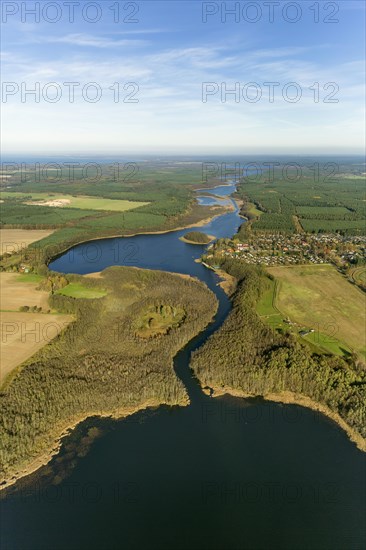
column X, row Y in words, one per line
column 197, row 237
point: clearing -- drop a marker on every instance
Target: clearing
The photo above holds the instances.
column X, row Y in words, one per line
column 318, row 297
column 70, row 201
column 77, row 290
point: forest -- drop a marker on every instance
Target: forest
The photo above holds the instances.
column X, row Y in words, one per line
column 102, row 364
column 292, row 206
column 259, row 360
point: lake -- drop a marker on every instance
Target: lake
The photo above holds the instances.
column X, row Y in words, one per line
column 220, row 474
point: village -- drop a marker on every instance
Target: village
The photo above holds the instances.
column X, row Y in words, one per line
column 272, row 249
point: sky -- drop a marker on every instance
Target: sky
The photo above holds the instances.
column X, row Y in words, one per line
column 155, row 77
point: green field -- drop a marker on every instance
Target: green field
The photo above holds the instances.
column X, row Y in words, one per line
column 80, row 201
column 319, row 298
column 251, row 209
column 78, row 290
column 268, row 311
column 29, row 278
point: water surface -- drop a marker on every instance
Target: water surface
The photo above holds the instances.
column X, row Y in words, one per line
column 220, row 474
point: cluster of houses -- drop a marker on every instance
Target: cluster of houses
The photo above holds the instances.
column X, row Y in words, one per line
column 275, row 249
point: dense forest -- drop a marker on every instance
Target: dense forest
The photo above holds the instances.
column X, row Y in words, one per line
column 331, row 205
column 100, row 364
column 259, row 360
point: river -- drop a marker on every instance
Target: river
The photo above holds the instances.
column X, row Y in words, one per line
column 220, row 474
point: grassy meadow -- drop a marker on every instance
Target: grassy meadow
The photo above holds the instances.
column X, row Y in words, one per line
column 318, row 297
column 79, row 290
column 74, row 201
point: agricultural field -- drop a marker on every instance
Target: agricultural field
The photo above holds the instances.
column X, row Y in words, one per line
column 73, row 201
column 24, row 333
column 14, row 240
column 17, row 290
column 347, row 227
column 333, row 212
column 319, row 298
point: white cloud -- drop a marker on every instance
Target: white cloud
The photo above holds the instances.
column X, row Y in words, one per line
column 170, row 110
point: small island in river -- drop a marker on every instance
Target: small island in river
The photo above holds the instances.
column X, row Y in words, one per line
column 197, row 237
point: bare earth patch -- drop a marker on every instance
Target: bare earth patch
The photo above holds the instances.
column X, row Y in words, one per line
column 56, row 203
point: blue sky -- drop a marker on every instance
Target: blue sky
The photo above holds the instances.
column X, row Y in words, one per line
column 168, row 53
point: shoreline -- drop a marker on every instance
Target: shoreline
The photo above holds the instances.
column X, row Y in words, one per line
column 291, row 398
column 47, row 456
column 285, row 397
column 228, row 283
column 201, row 223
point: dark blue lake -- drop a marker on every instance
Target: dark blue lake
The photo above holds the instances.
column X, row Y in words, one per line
column 220, row 474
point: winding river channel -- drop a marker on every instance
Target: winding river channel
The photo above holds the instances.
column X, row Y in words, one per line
column 220, row 474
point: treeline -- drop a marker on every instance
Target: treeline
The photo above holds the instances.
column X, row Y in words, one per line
column 258, row 360
column 98, row 365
